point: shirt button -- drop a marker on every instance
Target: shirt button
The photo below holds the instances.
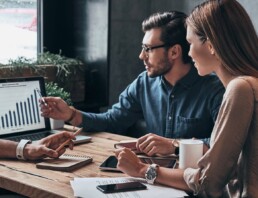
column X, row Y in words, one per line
column 169, row 117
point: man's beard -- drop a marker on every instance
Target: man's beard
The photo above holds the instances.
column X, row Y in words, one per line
column 164, row 67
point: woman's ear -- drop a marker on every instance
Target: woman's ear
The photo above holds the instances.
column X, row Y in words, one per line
column 210, row 47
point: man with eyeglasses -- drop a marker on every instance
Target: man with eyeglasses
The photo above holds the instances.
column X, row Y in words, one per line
column 170, row 96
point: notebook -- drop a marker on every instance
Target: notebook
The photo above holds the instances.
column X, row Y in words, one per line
column 65, row 162
column 20, row 112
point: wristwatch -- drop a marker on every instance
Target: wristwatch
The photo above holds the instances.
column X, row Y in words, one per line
column 20, row 148
column 175, row 144
column 151, row 173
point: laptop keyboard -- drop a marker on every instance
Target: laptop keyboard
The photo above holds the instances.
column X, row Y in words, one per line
column 32, row 137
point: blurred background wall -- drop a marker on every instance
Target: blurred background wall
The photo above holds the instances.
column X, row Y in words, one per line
column 107, row 36
column 126, row 35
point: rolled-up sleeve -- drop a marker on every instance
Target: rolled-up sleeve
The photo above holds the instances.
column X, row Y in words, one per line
column 191, row 176
column 122, row 114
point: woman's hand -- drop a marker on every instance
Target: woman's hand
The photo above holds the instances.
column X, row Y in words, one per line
column 129, row 163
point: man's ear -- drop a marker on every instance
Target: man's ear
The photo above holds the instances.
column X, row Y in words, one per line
column 175, row 51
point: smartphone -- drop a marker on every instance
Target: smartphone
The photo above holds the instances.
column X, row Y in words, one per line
column 109, row 164
column 81, row 139
column 121, row 187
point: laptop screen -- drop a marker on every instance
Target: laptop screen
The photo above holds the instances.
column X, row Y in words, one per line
column 19, row 106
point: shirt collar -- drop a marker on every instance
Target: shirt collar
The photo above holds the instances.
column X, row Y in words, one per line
column 187, row 81
column 165, row 83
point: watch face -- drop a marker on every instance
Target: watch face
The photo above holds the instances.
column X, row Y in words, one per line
column 151, row 174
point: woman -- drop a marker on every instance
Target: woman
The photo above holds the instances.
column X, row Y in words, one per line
column 222, row 40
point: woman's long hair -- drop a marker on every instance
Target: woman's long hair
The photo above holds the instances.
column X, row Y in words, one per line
column 231, row 32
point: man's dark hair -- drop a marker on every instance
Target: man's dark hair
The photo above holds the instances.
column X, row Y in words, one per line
column 173, row 30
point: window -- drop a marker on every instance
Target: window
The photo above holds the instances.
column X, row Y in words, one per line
column 18, row 25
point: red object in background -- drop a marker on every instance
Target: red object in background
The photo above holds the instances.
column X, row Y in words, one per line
column 32, row 26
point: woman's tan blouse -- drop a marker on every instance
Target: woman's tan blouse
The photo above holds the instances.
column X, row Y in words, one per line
column 230, row 167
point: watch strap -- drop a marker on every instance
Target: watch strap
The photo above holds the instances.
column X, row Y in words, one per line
column 72, row 115
column 175, row 144
column 20, row 148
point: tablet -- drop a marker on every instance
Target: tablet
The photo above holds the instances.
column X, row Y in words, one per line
column 110, row 164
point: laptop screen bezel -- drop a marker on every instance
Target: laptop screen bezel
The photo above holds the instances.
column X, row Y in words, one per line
column 43, row 92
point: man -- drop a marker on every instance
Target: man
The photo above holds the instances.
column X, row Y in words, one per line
column 170, row 96
column 31, row 151
column 24, row 150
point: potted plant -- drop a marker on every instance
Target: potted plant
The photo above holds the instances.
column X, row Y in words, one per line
column 52, row 89
column 67, row 72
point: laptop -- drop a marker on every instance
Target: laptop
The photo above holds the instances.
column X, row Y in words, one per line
column 20, row 110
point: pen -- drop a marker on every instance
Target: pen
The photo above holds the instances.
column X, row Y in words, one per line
column 67, row 141
column 43, row 100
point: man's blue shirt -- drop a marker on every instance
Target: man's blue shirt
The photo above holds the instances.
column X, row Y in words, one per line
column 186, row 110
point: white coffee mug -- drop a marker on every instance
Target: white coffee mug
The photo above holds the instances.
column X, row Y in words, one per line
column 56, row 124
column 190, row 151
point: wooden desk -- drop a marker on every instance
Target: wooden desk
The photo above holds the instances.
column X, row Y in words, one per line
column 24, row 178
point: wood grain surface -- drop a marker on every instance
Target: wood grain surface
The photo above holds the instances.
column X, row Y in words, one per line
column 24, row 178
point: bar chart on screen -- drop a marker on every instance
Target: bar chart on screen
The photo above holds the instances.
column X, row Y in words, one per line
column 19, row 104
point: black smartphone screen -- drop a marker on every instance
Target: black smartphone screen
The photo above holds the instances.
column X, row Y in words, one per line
column 109, row 164
column 122, row 187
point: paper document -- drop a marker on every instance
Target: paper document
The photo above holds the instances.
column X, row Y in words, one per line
column 86, row 187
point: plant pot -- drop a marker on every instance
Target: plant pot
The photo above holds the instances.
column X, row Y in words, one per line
column 75, row 83
column 56, row 124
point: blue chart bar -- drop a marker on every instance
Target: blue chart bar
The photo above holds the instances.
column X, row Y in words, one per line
column 36, row 102
column 33, row 108
column 24, row 113
column 11, row 120
column 14, row 116
column 29, row 105
column 7, row 122
column 2, row 120
column 18, row 113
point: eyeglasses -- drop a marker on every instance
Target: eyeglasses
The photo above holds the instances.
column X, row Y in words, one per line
column 148, row 49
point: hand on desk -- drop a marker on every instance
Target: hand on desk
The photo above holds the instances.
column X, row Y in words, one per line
column 152, row 144
column 129, row 163
column 46, row 146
